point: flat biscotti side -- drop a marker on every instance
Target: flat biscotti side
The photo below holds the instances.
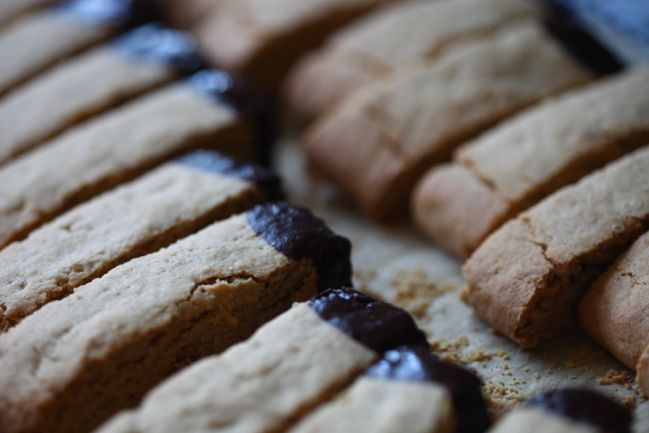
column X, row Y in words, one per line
column 526, row 278
column 614, row 309
column 388, row 39
column 119, row 335
column 378, row 143
column 525, row 159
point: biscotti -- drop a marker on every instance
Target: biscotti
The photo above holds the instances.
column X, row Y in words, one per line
column 136, row 63
column 287, row 368
column 517, row 164
column 380, row 141
column 189, row 14
column 643, row 372
column 391, row 38
column 113, row 148
column 37, row 41
column 567, row 411
column 527, row 277
column 407, row 391
column 260, row 39
column 76, row 361
column 12, row 9
column 138, row 218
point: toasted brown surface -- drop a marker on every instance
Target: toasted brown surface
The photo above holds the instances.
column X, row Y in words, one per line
column 383, row 406
column 76, row 361
column 261, row 385
column 527, row 158
column 377, row 144
column 109, row 150
column 525, row 279
column 52, row 102
column 34, row 43
column 388, row 39
column 260, row 39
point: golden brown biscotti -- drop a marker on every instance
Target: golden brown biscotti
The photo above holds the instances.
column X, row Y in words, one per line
column 389, row 39
column 527, row 158
column 260, row 39
column 643, row 372
column 73, row 363
column 111, row 149
column 527, row 277
column 110, row 75
column 151, row 212
column 287, row 368
column 380, row 141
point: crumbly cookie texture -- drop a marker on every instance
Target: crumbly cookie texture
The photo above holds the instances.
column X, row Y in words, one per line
column 384, row 406
column 526, row 278
column 135, row 219
column 527, row 158
column 388, row 39
column 125, row 142
column 77, row 361
column 260, row 39
column 378, row 143
column 262, row 385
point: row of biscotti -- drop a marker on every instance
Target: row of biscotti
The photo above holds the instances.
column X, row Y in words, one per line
column 344, row 362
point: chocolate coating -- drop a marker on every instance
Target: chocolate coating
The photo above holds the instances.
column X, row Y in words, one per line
column 157, row 44
column 215, row 162
column 296, row 233
column 236, row 93
column 562, row 24
column 122, row 13
column 585, row 407
column 373, row 323
column 417, row 363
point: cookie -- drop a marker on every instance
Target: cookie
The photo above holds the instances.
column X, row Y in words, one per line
column 380, row 141
column 407, row 391
column 114, row 148
column 260, row 39
column 37, row 41
column 527, row 158
column 140, row 217
column 289, row 359
column 188, row 14
column 527, row 277
column 643, row 372
column 73, row 363
column 567, row 411
column 136, row 63
column 391, row 38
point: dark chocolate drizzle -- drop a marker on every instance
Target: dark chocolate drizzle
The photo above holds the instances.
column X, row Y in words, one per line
column 157, row 44
column 120, row 13
column 418, row 364
column 567, row 29
column 585, row 407
column 212, row 161
column 236, row 93
column 373, row 323
column 296, row 233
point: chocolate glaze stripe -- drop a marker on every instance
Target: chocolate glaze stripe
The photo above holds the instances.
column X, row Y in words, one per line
column 418, row 364
column 585, row 407
column 157, row 44
column 212, row 161
column 120, row 13
column 299, row 235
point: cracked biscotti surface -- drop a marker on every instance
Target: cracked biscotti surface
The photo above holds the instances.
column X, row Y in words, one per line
column 391, row 38
column 526, row 278
column 78, row 360
column 378, row 143
column 529, row 157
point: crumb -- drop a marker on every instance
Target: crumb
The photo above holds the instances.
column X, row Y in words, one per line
column 415, row 290
column 614, row 377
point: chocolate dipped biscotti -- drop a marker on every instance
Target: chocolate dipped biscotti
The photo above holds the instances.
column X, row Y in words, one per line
column 35, row 42
column 140, row 217
column 527, row 158
column 109, row 75
column 119, row 146
column 391, row 38
column 74, row 362
column 527, row 277
column 379, row 142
